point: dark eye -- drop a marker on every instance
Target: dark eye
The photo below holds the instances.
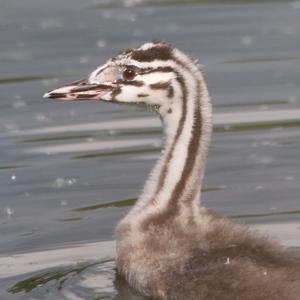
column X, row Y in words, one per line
column 129, row 74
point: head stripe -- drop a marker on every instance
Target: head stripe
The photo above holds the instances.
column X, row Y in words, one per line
column 158, row 52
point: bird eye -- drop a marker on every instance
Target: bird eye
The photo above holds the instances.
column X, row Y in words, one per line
column 129, row 74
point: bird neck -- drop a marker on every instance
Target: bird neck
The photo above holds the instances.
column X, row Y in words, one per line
column 174, row 185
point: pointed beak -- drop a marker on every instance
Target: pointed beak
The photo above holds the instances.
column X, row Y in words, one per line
column 80, row 90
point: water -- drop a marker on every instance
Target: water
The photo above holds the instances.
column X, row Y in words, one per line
column 70, row 171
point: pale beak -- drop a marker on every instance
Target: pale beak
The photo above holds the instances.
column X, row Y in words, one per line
column 81, row 90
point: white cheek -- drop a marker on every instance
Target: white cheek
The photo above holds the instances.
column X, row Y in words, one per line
column 129, row 94
column 156, row 97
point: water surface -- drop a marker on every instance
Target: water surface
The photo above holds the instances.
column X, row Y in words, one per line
column 70, row 171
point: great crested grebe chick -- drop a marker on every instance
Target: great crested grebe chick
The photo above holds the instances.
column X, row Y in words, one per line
column 168, row 245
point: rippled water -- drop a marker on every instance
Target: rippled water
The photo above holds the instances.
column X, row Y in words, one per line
column 70, row 171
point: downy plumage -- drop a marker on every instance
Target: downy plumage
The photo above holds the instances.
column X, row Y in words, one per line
column 168, row 245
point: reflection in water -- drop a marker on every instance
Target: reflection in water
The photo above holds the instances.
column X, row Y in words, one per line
column 95, row 280
column 124, row 291
column 84, row 278
column 39, row 281
column 83, row 281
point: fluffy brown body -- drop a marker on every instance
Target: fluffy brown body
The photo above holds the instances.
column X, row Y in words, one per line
column 228, row 262
column 169, row 246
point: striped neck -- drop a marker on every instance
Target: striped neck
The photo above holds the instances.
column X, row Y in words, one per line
column 173, row 188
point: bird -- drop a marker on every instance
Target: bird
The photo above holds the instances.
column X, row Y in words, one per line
column 169, row 246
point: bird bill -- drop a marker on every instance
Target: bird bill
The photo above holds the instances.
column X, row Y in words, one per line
column 80, row 90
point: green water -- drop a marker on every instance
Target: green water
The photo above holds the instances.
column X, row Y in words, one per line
column 69, row 171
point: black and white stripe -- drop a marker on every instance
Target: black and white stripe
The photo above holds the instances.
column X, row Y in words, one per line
column 175, row 182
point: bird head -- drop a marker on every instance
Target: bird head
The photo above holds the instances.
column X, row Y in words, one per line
column 150, row 75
